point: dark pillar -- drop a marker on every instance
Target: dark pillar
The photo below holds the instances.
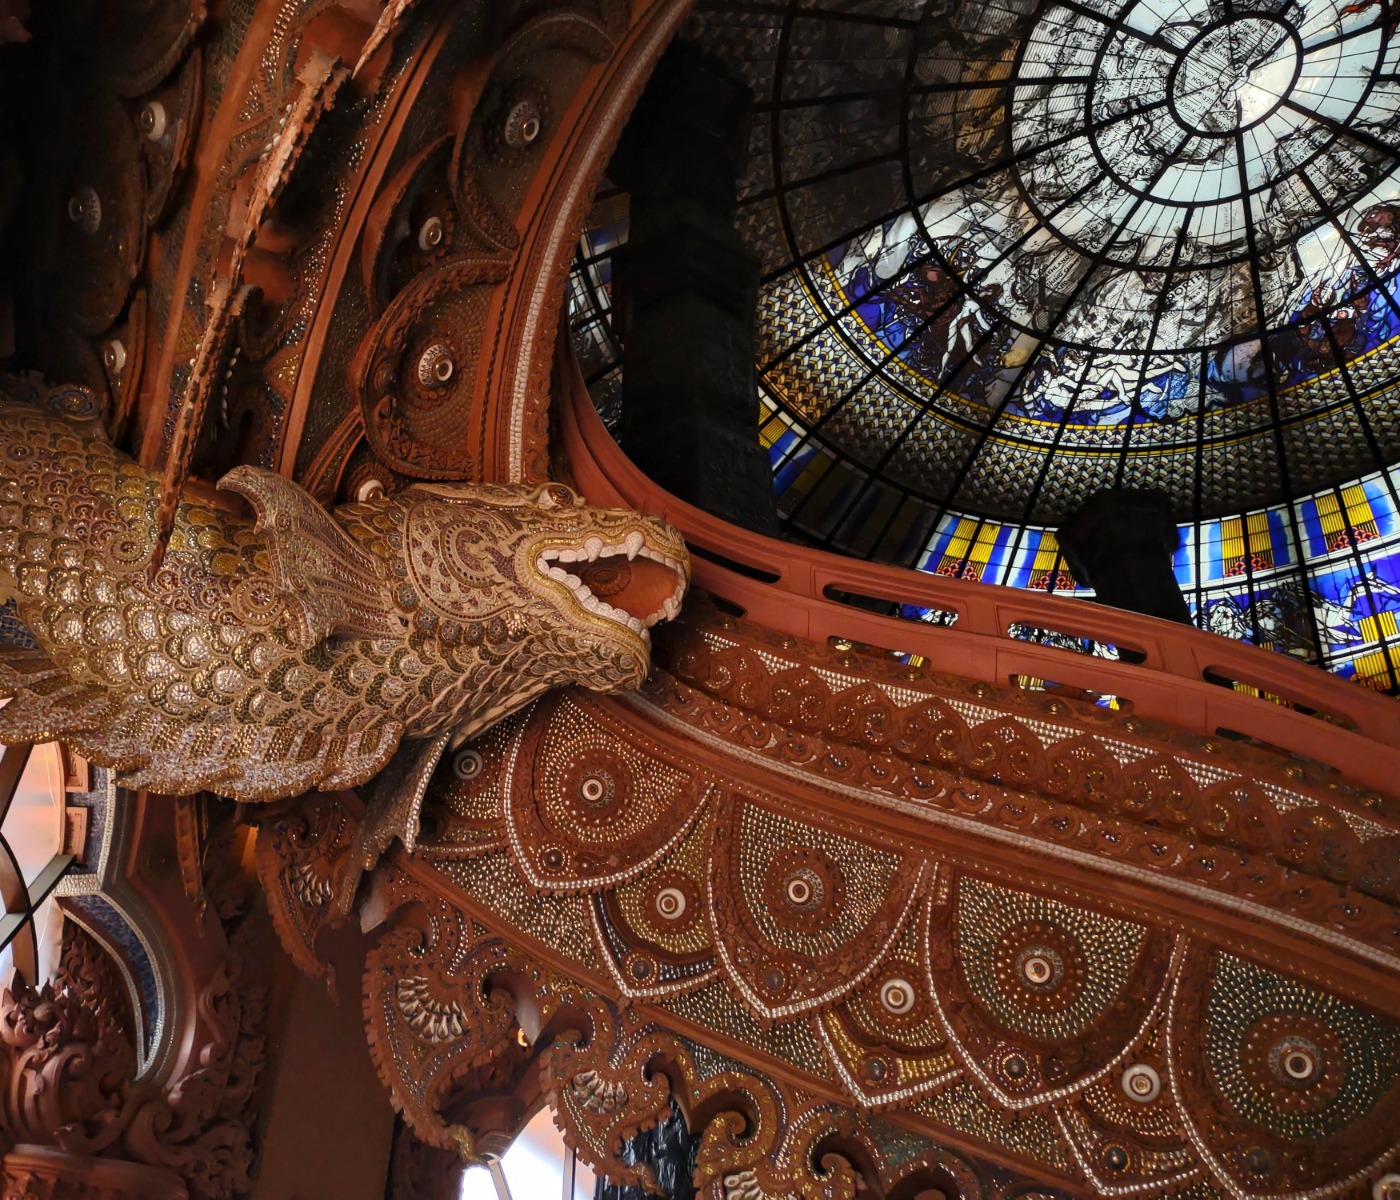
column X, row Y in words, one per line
column 685, row 287
column 1120, row 542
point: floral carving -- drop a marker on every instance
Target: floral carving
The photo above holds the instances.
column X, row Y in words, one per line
column 69, row 1071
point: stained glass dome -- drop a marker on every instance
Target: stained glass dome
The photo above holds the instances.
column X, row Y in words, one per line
column 1014, row 253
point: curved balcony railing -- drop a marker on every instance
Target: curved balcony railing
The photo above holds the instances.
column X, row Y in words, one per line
column 1177, row 672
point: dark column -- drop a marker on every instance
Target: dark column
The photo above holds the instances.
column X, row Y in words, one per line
column 685, row 286
column 1120, row 542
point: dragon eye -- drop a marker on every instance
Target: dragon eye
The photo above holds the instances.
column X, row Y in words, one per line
column 556, row 495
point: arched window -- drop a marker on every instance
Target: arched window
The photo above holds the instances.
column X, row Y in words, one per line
column 33, row 858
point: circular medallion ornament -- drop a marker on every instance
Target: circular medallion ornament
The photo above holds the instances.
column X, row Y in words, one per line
column 467, row 764
column 255, row 601
column 522, row 124
column 520, row 117
column 431, row 233
column 596, row 788
column 1017, row 1071
column 898, row 996
column 1116, row 1158
column 639, row 970
column 877, row 1070
column 1387, row 1187
column 672, row 902
column 152, row 121
column 114, row 357
column 1142, row 1083
column 1293, row 1061
column 803, row 888
column 893, row 998
column 436, row 367
column 1039, row 966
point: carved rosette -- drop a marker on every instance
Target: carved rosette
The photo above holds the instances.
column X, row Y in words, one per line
column 800, row 916
column 589, row 804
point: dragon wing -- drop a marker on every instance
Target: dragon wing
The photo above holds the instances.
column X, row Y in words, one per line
column 335, row 584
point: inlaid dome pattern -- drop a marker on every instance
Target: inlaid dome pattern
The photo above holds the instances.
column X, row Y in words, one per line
column 1013, row 253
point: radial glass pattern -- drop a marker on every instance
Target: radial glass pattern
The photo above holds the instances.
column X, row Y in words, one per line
column 1014, row 252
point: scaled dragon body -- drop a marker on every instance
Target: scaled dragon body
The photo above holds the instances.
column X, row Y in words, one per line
column 287, row 649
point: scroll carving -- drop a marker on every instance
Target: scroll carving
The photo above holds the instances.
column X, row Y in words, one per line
column 69, row 1070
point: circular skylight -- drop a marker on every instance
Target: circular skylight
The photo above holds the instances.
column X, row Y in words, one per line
column 1174, row 176
column 1013, row 252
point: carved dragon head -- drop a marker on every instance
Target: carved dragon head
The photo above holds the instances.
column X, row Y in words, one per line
column 599, row 577
column 613, row 572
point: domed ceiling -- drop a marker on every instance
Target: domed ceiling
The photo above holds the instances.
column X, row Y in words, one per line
column 1013, row 253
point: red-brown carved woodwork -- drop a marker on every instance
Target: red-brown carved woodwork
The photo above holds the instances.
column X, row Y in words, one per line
column 302, row 855
column 437, row 1008
column 801, row 917
column 1282, row 1087
column 1025, row 1015
column 1030, row 770
column 610, row 1071
column 87, row 1125
column 417, row 369
column 425, row 368
column 584, row 812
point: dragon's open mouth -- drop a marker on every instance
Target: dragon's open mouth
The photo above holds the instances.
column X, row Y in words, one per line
column 626, row 581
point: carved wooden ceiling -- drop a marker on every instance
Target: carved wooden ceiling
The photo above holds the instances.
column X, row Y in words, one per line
column 874, row 928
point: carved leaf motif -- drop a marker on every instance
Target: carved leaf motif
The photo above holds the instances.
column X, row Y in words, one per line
column 592, row 800
column 1277, row 1081
column 431, row 1019
column 801, row 915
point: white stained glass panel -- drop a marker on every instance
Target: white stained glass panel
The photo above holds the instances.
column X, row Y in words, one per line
column 532, row 1169
column 34, row 824
column 33, row 828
